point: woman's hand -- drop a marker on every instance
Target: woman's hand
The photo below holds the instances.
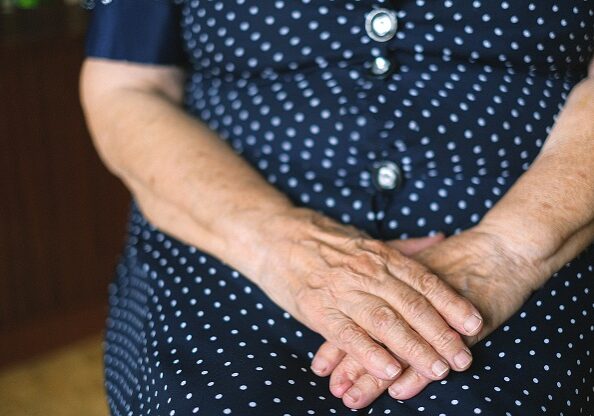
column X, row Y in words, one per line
column 483, row 268
column 362, row 294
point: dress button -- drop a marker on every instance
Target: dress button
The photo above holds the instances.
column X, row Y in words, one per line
column 387, row 175
column 381, row 24
column 380, row 67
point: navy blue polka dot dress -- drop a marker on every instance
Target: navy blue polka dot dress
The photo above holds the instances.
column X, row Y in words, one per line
column 401, row 118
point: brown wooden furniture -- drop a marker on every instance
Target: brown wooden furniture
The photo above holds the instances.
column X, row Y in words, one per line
column 62, row 214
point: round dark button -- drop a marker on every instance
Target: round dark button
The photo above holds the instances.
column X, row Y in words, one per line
column 387, row 175
column 381, row 24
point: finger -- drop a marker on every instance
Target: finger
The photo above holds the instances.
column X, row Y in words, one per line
column 447, row 342
column 326, row 359
column 455, row 309
column 412, row 246
column 347, row 335
column 364, row 391
column 384, row 323
column 420, row 314
column 409, row 384
column 345, row 375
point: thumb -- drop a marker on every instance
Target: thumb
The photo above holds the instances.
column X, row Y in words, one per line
column 412, row 246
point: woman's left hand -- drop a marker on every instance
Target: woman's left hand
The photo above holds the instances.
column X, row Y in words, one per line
column 485, row 268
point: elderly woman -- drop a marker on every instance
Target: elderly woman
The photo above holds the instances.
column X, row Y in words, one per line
column 296, row 166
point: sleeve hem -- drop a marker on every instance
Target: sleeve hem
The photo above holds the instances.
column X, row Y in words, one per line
column 136, row 31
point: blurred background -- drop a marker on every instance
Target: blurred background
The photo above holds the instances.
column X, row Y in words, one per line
column 62, row 218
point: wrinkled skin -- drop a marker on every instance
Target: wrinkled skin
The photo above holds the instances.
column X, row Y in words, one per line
column 482, row 267
column 363, row 295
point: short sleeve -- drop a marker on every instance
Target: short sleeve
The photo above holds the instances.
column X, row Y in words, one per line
column 142, row 31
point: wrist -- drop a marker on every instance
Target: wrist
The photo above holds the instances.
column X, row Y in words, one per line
column 266, row 243
column 530, row 246
column 249, row 237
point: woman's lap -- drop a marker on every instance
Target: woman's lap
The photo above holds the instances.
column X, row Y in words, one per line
column 189, row 335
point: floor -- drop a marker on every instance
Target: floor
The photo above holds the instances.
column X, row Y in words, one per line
column 62, row 383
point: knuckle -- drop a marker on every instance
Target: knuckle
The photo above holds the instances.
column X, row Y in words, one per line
column 358, row 264
column 368, row 258
column 428, row 283
column 368, row 263
column 417, row 378
column 417, row 306
column 456, row 305
column 372, row 353
column 375, row 246
column 448, row 338
column 348, row 334
column 415, row 348
column 372, row 384
column 383, row 318
column 351, row 372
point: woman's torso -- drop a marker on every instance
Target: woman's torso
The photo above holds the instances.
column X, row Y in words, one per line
column 473, row 93
column 474, row 89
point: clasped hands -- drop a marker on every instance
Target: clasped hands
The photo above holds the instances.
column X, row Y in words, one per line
column 396, row 315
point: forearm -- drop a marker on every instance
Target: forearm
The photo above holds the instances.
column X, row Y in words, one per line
column 549, row 213
column 186, row 179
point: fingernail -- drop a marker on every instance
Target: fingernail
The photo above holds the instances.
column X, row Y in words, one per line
column 395, row 391
column 472, row 324
column 439, row 368
column 354, row 394
column 463, row 359
column 319, row 366
column 392, row 370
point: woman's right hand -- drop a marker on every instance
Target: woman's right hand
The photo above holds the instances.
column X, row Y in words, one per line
column 362, row 295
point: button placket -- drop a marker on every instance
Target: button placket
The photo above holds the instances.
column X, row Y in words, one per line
column 381, row 25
